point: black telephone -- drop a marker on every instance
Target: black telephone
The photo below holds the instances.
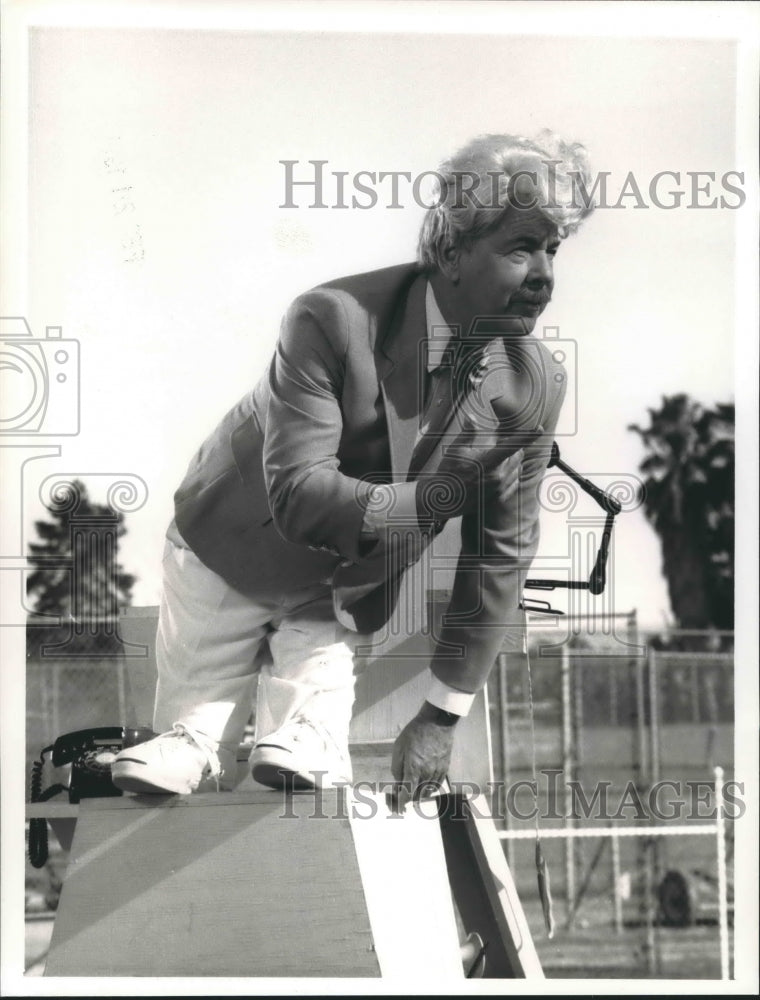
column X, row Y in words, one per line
column 91, row 753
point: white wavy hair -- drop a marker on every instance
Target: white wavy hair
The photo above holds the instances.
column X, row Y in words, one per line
column 476, row 186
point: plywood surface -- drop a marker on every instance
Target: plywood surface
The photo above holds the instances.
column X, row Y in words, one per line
column 239, row 890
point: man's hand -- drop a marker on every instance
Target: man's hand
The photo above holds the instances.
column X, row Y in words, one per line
column 422, row 752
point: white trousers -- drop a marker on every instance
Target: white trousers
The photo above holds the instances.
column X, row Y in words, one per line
column 212, row 641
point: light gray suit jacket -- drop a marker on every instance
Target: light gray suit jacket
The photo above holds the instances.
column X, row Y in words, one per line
column 276, row 496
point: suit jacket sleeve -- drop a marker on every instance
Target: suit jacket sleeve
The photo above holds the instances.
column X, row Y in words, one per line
column 498, row 547
column 312, row 502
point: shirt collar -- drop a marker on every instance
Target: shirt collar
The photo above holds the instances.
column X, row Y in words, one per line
column 439, row 332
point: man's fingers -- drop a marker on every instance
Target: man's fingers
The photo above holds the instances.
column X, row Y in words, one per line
column 397, row 764
column 411, row 777
column 402, row 792
column 408, row 779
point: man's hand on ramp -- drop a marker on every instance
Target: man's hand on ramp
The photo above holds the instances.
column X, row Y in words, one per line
column 422, row 752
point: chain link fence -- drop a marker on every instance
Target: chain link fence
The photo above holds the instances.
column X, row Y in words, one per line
column 618, row 728
column 74, row 680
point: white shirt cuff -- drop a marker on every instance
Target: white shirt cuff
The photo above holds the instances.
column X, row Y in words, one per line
column 448, row 698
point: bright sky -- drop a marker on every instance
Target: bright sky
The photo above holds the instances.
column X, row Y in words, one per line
column 157, row 240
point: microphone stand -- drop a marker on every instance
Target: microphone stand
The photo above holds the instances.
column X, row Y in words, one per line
column 598, row 578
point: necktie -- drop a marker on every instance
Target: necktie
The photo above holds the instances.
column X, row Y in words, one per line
column 462, row 369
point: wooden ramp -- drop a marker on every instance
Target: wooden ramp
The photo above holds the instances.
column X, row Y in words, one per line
column 310, row 885
column 253, row 884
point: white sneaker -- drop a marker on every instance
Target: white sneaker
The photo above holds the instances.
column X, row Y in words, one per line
column 176, row 762
column 300, row 755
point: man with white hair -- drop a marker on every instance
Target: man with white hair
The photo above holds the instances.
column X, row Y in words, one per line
column 396, row 400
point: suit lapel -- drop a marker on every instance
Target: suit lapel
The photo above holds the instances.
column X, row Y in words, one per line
column 501, row 376
column 403, row 377
column 427, row 443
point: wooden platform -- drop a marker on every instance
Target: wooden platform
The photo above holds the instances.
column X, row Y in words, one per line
column 251, row 884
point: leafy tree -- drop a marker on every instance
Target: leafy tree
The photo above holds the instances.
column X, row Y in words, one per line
column 688, row 496
column 77, row 574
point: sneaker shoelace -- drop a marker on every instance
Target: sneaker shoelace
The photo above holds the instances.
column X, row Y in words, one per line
column 207, row 747
column 317, row 727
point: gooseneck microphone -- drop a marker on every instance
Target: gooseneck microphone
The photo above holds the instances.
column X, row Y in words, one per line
column 605, row 500
column 598, row 578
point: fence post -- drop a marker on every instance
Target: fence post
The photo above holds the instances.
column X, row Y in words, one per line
column 501, row 662
column 694, row 685
column 644, row 852
column 654, row 718
column 654, row 855
column 567, row 768
column 617, row 901
column 44, row 689
column 652, row 939
column 720, row 836
column 641, row 723
column 56, row 698
column 121, row 692
column 577, row 730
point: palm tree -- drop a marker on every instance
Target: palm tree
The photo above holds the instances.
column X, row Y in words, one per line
column 688, row 496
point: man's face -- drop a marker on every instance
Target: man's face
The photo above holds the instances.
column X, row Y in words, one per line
column 508, row 275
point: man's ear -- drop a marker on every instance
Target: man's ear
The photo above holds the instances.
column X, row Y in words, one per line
column 450, row 263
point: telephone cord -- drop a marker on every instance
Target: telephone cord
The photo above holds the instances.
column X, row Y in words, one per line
column 38, row 832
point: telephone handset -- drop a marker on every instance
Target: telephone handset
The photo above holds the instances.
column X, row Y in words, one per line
column 92, row 750
column 91, row 753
